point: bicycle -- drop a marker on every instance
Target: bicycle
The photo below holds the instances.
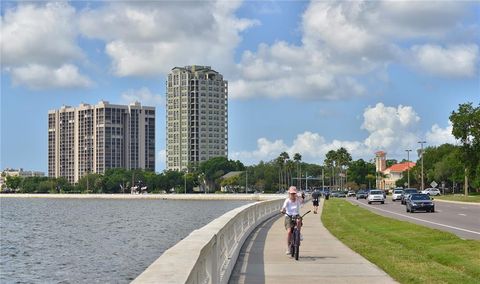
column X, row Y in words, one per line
column 295, row 238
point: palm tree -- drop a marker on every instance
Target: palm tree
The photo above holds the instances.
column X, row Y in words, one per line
column 330, row 161
column 279, row 162
column 297, row 158
column 285, row 157
column 343, row 159
column 289, row 166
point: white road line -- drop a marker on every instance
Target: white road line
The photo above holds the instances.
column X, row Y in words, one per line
column 462, row 214
column 438, row 224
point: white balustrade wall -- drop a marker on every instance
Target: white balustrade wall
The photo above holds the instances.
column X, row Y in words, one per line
column 209, row 254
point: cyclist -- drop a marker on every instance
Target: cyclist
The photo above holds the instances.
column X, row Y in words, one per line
column 291, row 206
column 315, row 197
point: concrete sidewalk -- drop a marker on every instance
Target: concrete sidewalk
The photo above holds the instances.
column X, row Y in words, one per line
column 323, row 258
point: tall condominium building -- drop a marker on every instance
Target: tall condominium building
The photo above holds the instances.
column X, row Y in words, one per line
column 94, row 138
column 197, row 116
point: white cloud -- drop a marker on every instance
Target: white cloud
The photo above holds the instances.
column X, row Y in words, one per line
column 266, row 150
column 144, row 96
column 42, row 35
column 38, row 46
column 42, row 77
column 391, row 129
column 147, row 38
column 342, row 40
column 438, row 136
column 453, row 61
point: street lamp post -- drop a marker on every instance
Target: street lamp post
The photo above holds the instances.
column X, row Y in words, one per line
column 408, row 166
column 421, row 143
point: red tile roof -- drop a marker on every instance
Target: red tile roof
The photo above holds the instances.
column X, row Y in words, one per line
column 400, row 167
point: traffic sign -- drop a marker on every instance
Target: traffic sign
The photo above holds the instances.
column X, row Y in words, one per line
column 434, row 184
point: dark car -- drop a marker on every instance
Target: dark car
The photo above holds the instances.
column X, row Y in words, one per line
column 341, row 194
column 419, row 201
column 407, row 192
column 361, row 194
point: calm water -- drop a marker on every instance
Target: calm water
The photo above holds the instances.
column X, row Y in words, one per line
column 93, row 240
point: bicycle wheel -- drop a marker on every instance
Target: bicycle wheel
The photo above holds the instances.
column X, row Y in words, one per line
column 292, row 245
column 297, row 244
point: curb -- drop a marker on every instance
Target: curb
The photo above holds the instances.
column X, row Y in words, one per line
column 458, row 202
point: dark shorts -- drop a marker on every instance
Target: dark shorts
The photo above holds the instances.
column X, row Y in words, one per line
column 315, row 202
column 289, row 223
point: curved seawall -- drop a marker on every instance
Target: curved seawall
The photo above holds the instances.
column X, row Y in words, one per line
column 208, row 255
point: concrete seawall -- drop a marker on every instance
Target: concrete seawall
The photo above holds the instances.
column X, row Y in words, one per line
column 209, row 254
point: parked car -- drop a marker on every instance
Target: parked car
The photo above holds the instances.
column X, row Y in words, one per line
column 361, row 194
column 431, row 191
column 406, row 192
column 397, row 194
column 375, row 196
column 419, row 201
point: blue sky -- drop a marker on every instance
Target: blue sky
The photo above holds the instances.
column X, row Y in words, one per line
column 304, row 77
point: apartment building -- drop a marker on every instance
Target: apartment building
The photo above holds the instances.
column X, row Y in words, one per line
column 197, row 116
column 95, row 138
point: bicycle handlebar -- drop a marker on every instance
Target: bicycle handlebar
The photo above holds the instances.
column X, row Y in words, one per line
column 298, row 215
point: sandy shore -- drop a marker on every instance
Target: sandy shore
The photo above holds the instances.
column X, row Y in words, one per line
column 255, row 197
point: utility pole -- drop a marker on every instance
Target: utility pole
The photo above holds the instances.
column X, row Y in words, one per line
column 421, row 143
column 408, row 166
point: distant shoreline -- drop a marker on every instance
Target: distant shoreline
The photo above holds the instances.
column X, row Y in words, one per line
column 254, row 197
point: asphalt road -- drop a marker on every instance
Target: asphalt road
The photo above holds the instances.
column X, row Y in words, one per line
column 461, row 219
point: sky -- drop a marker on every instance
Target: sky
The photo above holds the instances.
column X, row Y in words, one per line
column 304, row 77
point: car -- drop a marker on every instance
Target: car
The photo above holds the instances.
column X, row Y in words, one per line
column 431, row 191
column 351, row 193
column 361, row 194
column 397, row 194
column 406, row 192
column 419, row 201
column 375, row 196
column 341, row 194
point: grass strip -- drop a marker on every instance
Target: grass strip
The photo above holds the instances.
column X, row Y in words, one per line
column 458, row 197
column 408, row 252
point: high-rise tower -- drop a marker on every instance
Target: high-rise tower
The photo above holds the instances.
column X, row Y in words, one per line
column 94, row 138
column 197, row 116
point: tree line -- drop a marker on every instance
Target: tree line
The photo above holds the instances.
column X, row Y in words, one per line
column 456, row 167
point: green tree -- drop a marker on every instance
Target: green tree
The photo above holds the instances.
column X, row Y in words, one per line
column 13, row 182
column 216, row 167
column 466, row 128
column 359, row 170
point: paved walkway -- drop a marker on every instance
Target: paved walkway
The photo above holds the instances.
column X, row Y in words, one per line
column 323, row 258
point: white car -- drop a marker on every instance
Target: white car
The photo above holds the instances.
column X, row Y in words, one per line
column 397, row 194
column 375, row 196
column 431, row 191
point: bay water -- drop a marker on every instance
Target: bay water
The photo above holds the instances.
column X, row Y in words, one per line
column 46, row 240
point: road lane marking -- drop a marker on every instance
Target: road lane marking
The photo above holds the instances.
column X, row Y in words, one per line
column 462, row 214
column 438, row 224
